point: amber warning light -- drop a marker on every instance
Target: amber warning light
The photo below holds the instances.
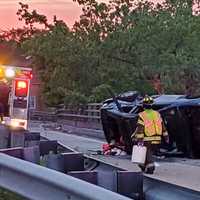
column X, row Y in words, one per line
column 21, row 88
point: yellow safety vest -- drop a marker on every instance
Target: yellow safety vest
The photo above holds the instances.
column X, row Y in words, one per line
column 152, row 122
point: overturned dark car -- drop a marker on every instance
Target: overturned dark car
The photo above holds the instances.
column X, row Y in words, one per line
column 180, row 113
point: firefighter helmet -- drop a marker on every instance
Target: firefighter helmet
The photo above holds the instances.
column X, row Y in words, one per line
column 147, row 100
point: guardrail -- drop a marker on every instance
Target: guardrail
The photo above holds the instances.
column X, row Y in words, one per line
column 38, row 183
column 42, row 115
column 89, row 112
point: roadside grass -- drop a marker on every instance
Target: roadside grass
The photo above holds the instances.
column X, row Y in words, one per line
column 7, row 195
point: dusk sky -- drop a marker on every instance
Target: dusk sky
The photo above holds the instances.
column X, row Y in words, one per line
column 67, row 10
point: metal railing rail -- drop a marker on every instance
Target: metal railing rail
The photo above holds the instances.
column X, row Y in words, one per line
column 87, row 112
column 38, row 183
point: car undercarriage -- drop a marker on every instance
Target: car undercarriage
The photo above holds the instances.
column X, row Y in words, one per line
column 180, row 114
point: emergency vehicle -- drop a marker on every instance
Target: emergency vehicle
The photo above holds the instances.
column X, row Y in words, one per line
column 15, row 107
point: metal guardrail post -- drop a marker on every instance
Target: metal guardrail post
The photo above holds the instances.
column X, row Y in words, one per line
column 39, row 183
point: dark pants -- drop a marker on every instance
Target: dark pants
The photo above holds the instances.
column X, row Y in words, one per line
column 148, row 166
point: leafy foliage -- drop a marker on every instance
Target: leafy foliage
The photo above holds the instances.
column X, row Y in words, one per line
column 75, row 99
column 100, row 92
column 125, row 45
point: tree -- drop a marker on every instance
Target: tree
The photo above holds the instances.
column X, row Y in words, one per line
column 158, row 42
column 128, row 45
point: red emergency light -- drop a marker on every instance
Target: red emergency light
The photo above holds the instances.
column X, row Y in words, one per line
column 21, row 88
column 25, row 73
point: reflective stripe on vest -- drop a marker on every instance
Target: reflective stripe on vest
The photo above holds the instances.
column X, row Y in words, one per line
column 152, row 123
column 152, row 138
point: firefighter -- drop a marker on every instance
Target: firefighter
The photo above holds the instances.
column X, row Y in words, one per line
column 149, row 132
